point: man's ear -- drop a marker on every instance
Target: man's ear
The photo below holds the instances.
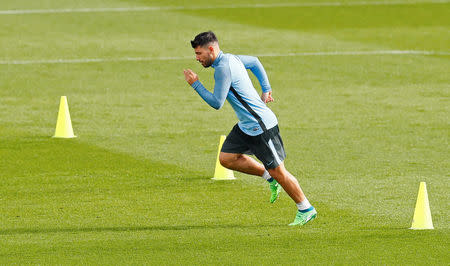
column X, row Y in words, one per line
column 210, row 48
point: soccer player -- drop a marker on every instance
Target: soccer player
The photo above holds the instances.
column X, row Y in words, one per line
column 257, row 131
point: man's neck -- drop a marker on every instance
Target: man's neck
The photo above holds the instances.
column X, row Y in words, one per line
column 216, row 56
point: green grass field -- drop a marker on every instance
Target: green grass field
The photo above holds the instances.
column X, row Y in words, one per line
column 361, row 131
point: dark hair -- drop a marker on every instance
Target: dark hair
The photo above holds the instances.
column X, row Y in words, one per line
column 203, row 39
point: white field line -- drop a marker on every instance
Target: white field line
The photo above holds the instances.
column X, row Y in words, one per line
column 169, row 8
column 145, row 59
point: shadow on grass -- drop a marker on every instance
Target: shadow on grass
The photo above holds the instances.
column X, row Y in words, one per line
column 40, row 156
column 335, row 17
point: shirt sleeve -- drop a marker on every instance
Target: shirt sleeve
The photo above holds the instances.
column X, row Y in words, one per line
column 222, row 77
column 253, row 63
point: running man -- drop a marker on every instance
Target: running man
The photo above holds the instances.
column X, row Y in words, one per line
column 257, row 131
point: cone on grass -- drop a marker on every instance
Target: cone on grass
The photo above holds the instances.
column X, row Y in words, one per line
column 422, row 213
column 222, row 173
column 63, row 124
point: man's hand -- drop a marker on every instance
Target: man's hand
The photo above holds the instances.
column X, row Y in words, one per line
column 266, row 97
column 190, row 76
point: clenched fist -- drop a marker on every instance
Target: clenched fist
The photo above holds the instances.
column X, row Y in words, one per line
column 190, row 76
column 266, row 97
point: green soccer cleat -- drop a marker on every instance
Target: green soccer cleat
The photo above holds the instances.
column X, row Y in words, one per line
column 305, row 216
column 275, row 189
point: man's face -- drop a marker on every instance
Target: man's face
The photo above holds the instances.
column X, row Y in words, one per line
column 204, row 55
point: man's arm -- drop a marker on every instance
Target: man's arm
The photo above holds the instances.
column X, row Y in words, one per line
column 221, row 87
column 253, row 63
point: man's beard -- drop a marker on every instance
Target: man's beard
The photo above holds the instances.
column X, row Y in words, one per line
column 207, row 63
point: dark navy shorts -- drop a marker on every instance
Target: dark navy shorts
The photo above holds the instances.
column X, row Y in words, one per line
column 267, row 147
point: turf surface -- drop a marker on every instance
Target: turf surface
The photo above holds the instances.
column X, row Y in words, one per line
column 360, row 131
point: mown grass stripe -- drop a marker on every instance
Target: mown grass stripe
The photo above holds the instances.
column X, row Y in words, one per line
column 140, row 59
column 174, row 8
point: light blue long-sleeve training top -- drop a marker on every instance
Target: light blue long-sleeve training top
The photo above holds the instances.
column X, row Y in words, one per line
column 233, row 83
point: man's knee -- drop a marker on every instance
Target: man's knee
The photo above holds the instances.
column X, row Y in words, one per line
column 279, row 173
column 227, row 159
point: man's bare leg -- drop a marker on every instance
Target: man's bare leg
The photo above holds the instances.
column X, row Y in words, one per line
column 306, row 212
column 288, row 182
column 241, row 163
column 248, row 165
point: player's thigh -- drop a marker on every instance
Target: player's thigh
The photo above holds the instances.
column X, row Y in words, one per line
column 226, row 158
